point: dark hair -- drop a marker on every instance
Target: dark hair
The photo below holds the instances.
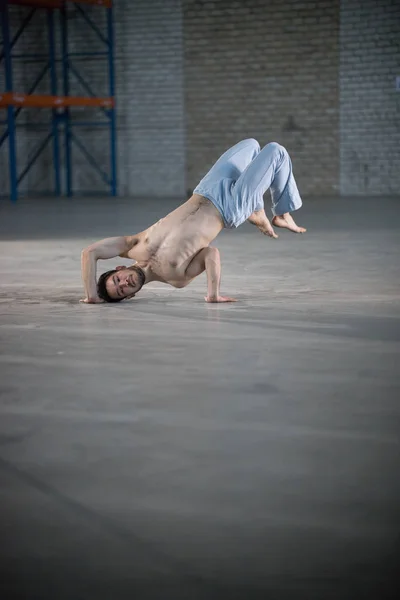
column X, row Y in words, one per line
column 101, row 287
column 101, row 284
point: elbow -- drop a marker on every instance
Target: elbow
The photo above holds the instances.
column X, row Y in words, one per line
column 213, row 254
column 87, row 254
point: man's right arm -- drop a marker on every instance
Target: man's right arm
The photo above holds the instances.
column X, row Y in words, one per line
column 104, row 249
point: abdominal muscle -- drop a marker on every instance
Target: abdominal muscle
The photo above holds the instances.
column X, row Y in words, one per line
column 169, row 245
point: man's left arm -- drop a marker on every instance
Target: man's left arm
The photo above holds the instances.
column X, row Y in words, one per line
column 208, row 260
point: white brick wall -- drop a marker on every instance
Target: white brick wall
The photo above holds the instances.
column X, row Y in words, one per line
column 24, row 73
column 267, row 70
column 193, row 77
column 150, row 97
column 370, row 106
column 149, row 92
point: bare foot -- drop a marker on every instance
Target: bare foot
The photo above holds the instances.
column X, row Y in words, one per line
column 270, row 232
column 286, row 221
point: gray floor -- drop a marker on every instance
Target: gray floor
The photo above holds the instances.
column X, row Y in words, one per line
column 164, row 448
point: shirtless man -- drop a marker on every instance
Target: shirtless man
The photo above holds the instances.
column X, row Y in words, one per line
column 177, row 248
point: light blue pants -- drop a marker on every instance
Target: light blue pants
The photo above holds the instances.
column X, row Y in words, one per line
column 240, row 177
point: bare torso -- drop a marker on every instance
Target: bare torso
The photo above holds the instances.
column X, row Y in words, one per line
column 168, row 246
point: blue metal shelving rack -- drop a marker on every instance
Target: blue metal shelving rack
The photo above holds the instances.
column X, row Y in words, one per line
column 62, row 125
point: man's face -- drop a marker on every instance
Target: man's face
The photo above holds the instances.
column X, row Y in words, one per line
column 124, row 283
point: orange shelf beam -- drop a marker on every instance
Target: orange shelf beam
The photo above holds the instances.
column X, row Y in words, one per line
column 33, row 100
column 59, row 3
column 37, row 3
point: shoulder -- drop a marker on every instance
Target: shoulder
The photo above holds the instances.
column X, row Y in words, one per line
column 130, row 242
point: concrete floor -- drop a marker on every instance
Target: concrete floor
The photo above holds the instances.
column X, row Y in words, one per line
column 165, row 448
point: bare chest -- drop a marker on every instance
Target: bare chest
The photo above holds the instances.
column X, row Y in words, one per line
column 169, row 246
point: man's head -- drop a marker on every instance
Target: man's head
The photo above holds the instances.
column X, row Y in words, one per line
column 123, row 282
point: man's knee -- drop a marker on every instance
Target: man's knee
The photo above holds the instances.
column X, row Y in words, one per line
column 276, row 148
column 252, row 143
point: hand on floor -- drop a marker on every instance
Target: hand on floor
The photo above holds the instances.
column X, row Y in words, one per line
column 96, row 300
column 214, row 299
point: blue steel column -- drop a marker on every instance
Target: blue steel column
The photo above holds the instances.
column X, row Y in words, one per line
column 67, row 124
column 12, row 158
column 53, row 79
column 112, row 94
